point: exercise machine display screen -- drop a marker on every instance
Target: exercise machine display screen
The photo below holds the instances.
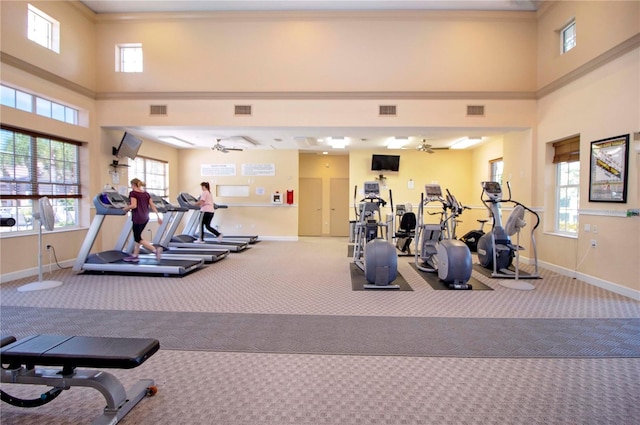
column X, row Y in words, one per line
column 432, row 190
column 492, row 187
column 371, row 189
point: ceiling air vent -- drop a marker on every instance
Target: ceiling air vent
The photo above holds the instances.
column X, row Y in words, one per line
column 475, row 110
column 387, row 110
column 242, row 110
column 158, row 110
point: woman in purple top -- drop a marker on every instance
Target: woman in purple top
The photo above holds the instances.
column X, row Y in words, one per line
column 206, row 206
column 140, row 202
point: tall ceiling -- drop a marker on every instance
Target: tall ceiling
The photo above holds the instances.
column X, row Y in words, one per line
column 312, row 139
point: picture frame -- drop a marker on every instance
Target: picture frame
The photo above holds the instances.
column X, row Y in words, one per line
column 608, row 171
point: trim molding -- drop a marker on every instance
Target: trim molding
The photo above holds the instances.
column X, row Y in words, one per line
column 608, row 56
column 315, row 95
column 7, row 59
column 591, row 280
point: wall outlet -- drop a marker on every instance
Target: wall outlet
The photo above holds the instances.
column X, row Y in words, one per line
column 594, row 243
column 48, row 247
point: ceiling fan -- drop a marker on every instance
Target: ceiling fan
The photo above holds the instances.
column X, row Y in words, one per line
column 224, row 149
column 425, row 147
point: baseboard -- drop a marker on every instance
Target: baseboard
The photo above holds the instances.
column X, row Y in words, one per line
column 591, row 280
column 21, row 274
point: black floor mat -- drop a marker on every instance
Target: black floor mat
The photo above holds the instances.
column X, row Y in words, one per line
column 435, row 282
column 358, row 281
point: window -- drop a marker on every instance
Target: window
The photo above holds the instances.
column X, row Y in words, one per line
column 568, row 37
column 17, row 99
column 154, row 173
column 497, row 166
column 43, row 29
column 567, row 160
column 34, row 165
column 129, row 58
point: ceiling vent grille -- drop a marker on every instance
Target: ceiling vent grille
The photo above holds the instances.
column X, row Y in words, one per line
column 475, row 110
column 387, row 110
column 158, row 110
column 242, row 110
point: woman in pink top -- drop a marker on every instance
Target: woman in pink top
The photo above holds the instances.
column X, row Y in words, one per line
column 206, row 206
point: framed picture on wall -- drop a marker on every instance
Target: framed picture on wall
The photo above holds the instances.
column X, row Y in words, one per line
column 608, row 169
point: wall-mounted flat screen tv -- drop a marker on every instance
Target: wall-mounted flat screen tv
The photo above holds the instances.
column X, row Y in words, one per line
column 129, row 146
column 385, row 162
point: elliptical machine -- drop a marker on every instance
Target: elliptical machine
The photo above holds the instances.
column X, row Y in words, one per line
column 375, row 256
column 436, row 248
column 495, row 249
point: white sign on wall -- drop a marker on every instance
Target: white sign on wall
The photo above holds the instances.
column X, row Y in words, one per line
column 218, row 169
column 258, row 169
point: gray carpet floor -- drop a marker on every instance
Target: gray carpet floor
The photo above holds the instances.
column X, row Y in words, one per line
column 342, row 335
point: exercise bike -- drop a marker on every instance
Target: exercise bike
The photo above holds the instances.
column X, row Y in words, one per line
column 472, row 237
column 406, row 230
column 436, row 248
column 374, row 255
column 495, row 249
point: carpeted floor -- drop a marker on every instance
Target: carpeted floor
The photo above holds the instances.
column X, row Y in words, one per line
column 259, row 339
column 343, row 335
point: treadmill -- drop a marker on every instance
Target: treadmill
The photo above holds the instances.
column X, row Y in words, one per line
column 113, row 203
column 171, row 217
column 187, row 241
column 193, row 224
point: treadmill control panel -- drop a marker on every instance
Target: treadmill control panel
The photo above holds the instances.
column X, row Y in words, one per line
column 110, row 203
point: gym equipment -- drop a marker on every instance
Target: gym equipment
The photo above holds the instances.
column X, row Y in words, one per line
column 375, row 256
column 472, row 237
column 192, row 227
column 495, row 250
column 126, row 242
column 110, row 203
column 46, row 218
column 66, row 353
column 436, row 248
column 406, row 230
column 187, row 240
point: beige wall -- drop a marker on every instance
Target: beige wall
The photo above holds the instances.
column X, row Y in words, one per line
column 603, row 104
column 375, row 51
column 600, row 25
column 76, row 60
column 255, row 214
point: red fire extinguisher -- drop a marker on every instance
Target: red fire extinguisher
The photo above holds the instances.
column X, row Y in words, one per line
column 289, row 197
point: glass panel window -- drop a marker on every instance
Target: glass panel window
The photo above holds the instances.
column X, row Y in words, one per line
column 568, row 35
column 34, row 166
column 43, row 29
column 497, row 166
column 153, row 172
column 129, row 58
column 44, row 107
column 8, row 96
column 567, row 197
column 24, row 101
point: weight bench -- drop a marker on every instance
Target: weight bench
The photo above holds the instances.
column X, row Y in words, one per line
column 21, row 360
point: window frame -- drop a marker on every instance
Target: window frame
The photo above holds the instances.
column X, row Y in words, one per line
column 145, row 173
column 65, row 195
column 27, row 102
column 561, row 191
column 567, row 43
column 123, row 61
column 42, row 29
column 493, row 174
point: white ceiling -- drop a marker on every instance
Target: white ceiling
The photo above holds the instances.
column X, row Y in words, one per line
column 313, row 139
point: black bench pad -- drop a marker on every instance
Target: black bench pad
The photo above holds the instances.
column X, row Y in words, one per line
column 79, row 351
